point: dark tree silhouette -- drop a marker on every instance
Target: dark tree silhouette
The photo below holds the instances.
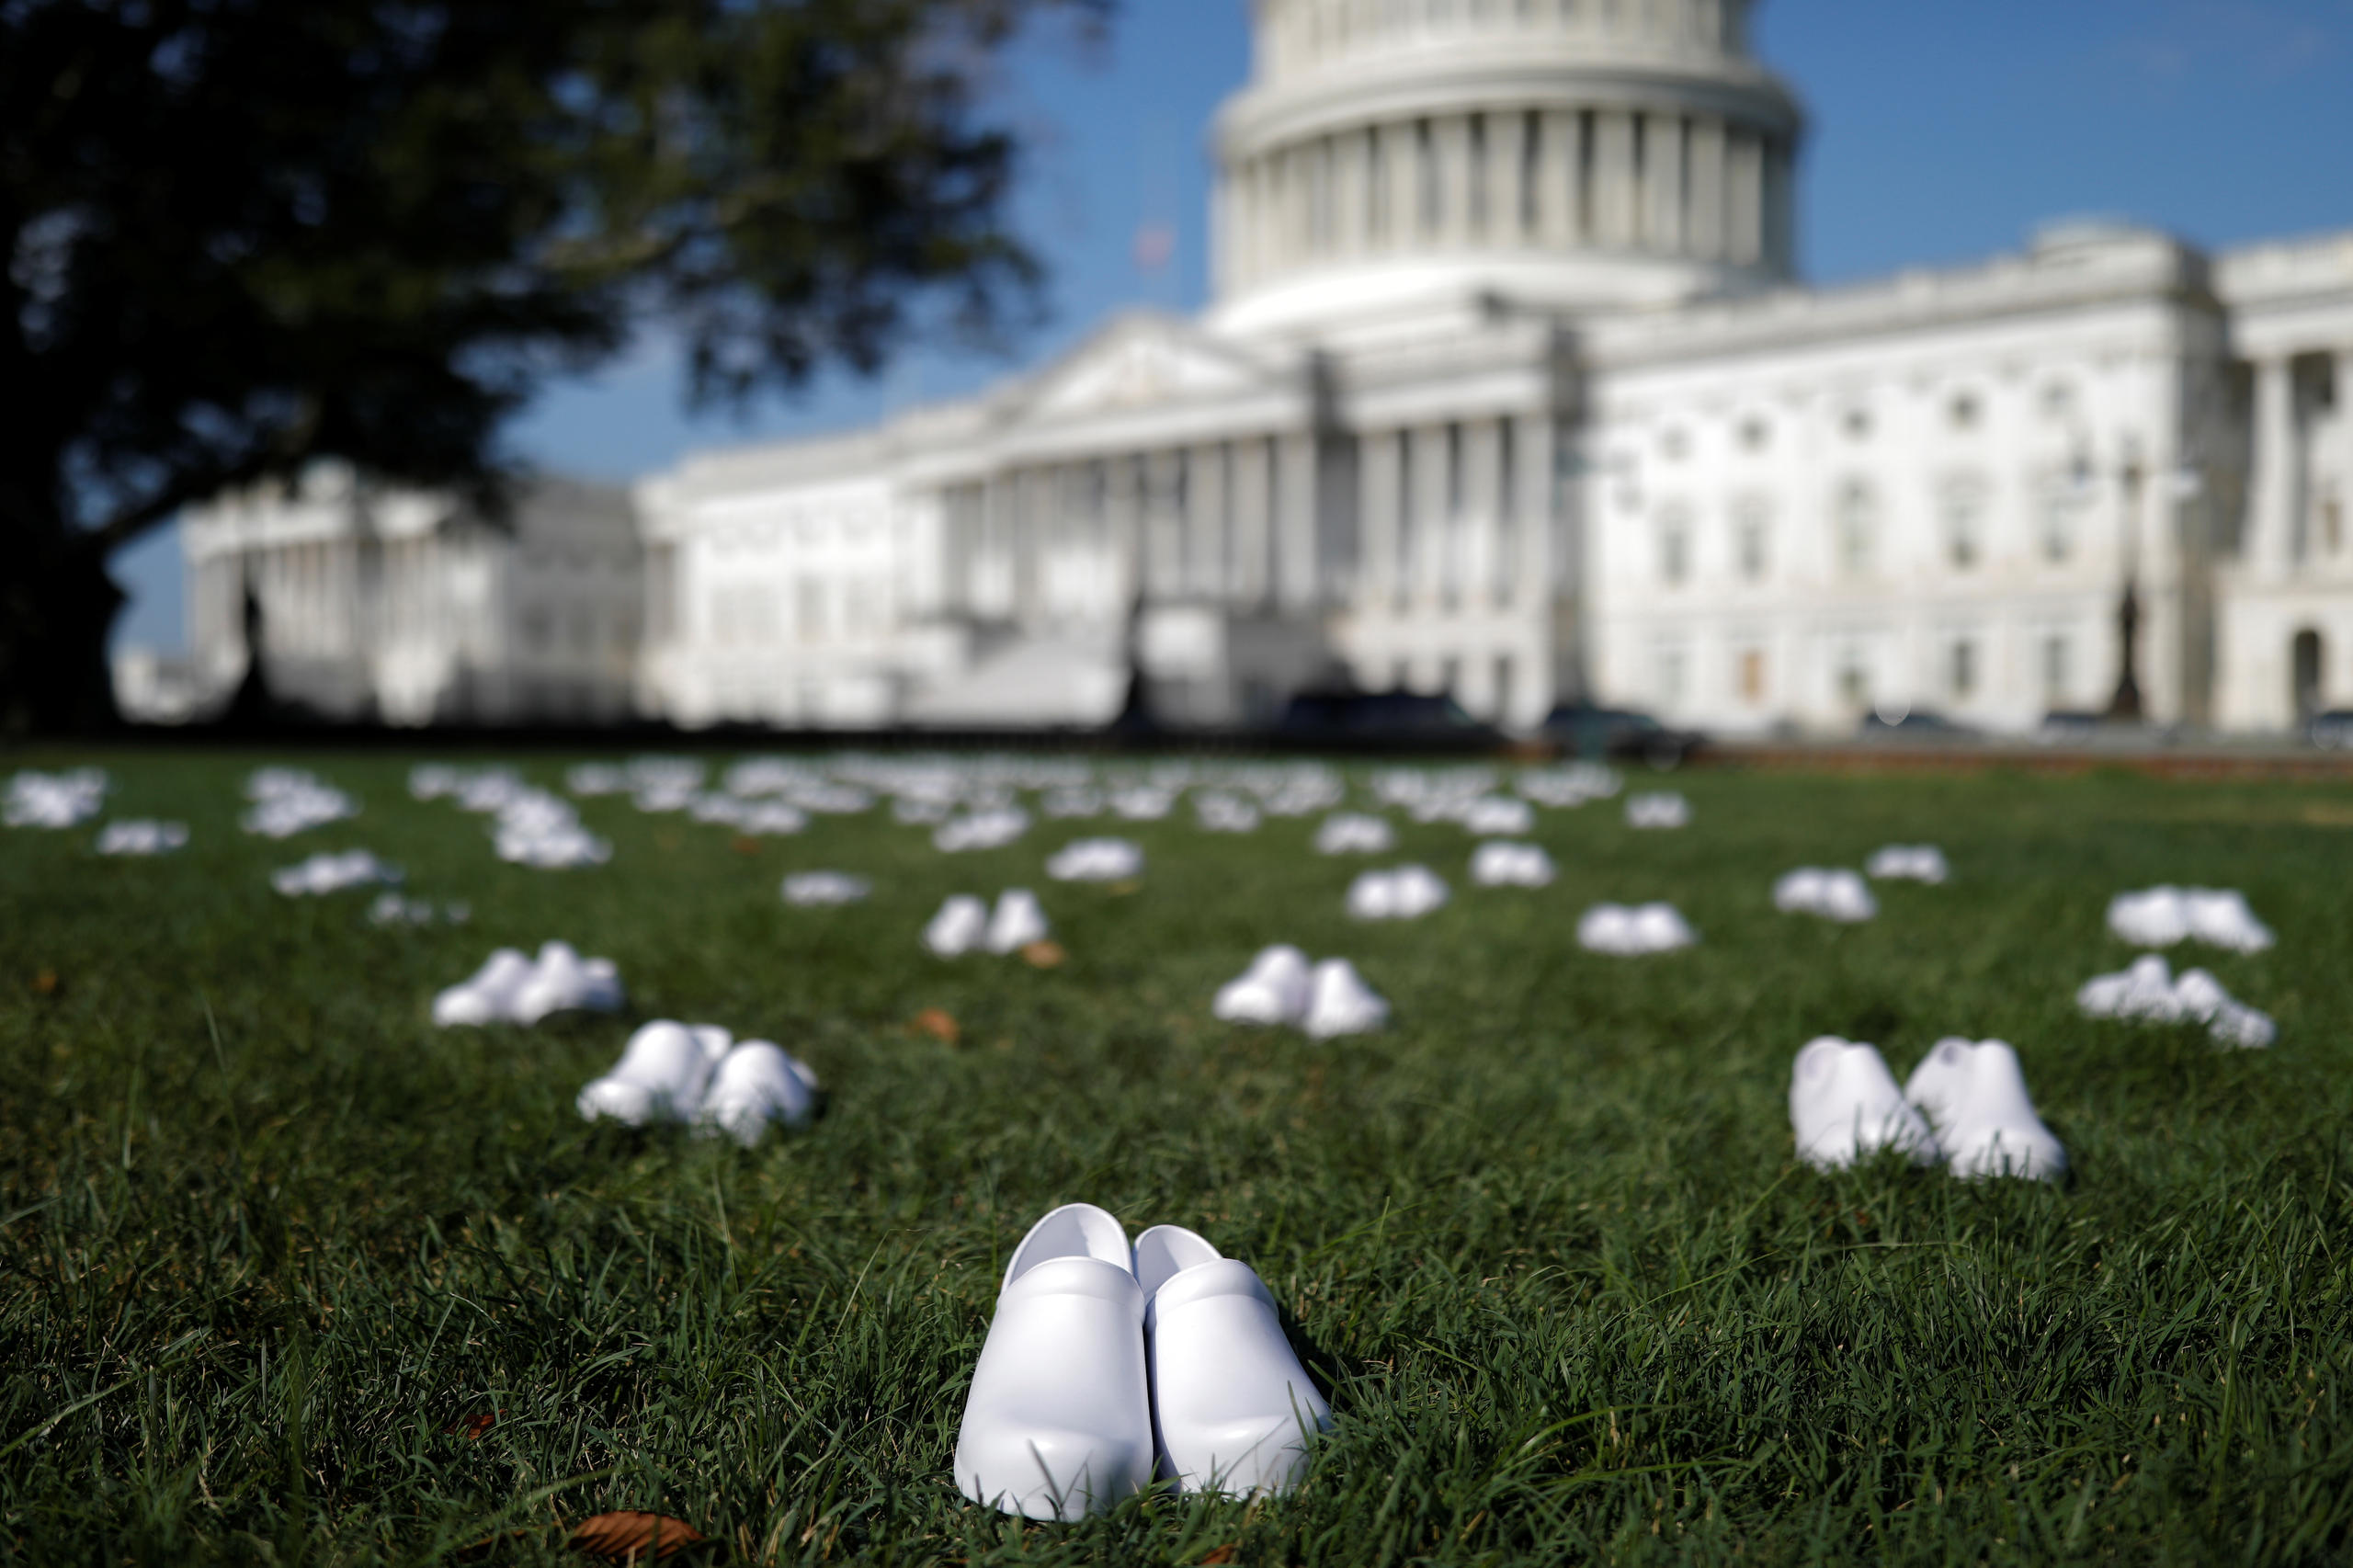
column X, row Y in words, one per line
column 246, row 234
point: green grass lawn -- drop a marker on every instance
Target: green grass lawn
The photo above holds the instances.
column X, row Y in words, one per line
column 267, row 1236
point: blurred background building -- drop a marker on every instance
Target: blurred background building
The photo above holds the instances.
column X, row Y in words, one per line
column 413, row 609
column 1508, row 391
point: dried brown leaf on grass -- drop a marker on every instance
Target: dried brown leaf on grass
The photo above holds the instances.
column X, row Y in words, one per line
column 471, row 1427
column 1043, row 955
column 1230, row 1552
column 939, row 1024
column 628, row 1537
column 632, row 1536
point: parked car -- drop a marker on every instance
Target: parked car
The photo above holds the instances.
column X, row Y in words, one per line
column 1919, row 724
column 2331, row 730
column 1374, row 719
column 1595, row 733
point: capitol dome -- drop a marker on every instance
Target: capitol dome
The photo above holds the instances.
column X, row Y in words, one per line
column 1393, row 164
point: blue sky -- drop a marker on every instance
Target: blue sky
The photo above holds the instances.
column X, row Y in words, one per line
column 1941, row 130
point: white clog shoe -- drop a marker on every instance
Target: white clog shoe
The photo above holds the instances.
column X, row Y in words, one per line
column 1985, row 1122
column 1843, row 1107
column 1339, row 1002
column 1018, row 921
column 557, row 981
column 487, row 997
column 1273, row 990
column 661, row 1075
column 1059, row 1420
column 957, row 927
column 755, row 1084
column 1232, row 1408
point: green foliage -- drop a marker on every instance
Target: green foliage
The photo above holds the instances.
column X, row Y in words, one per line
column 266, row 1235
column 246, row 234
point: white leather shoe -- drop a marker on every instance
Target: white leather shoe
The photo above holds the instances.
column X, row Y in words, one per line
column 1273, row 990
column 1844, row 1106
column 755, row 1084
column 1058, row 1424
column 661, row 1075
column 1232, row 1408
column 1341, row 1003
column 487, row 997
column 1975, row 1093
column 1018, row 921
column 957, row 927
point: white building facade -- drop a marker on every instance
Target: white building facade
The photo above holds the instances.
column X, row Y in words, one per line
column 408, row 608
column 1508, row 390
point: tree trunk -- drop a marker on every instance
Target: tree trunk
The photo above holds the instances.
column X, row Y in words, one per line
column 57, row 606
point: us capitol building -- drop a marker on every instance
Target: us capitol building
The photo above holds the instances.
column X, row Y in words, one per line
column 1509, row 390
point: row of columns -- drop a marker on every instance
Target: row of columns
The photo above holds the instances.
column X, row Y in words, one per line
column 324, row 598
column 308, row 593
column 2289, row 462
column 1455, row 517
column 1300, row 34
column 1447, row 516
column 1229, row 522
column 1552, row 179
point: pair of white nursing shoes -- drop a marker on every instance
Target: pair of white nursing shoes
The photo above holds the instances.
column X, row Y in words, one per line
column 1106, row 1364
column 1965, row 1107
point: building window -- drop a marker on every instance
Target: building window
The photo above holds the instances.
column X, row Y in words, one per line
column 1858, row 526
column 1675, row 546
column 1670, row 676
column 1752, row 523
column 809, row 609
column 1963, row 504
column 1854, row 680
column 2058, row 517
column 1675, row 444
column 1962, row 412
column 1503, row 693
column 1751, row 676
column 2332, row 522
column 2058, row 401
column 1964, row 672
column 1857, row 423
column 1754, row 434
column 2055, row 669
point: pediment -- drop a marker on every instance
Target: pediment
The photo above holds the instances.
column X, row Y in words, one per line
column 1138, row 363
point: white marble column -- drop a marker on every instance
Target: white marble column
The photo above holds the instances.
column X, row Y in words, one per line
column 1452, row 134
column 1355, row 174
column 1509, row 193
column 1743, row 199
column 1530, row 571
column 1663, row 183
column 1556, row 179
column 1253, row 579
column 1377, row 501
column 1481, row 513
column 1703, row 233
column 1295, row 521
column 2271, row 495
column 2344, row 371
column 1401, row 158
column 1434, row 523
column 1613, row 177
